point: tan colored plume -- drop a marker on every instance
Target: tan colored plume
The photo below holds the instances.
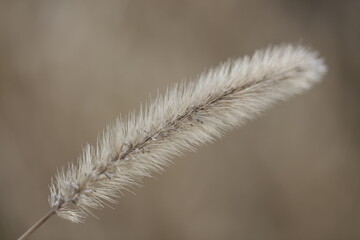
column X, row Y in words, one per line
column 187, row 115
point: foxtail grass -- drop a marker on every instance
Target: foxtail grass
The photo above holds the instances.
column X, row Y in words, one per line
column 189, row 114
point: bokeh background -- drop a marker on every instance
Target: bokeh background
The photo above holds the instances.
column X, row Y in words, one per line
column 67, row 68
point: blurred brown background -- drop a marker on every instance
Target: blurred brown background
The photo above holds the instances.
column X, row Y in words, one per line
column 67, row 68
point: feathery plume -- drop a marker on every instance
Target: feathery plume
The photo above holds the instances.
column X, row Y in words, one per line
column 189, row 114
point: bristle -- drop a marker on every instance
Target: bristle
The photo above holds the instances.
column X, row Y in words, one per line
column 187, row 115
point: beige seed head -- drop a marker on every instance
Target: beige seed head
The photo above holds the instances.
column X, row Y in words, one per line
column 189, row 114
